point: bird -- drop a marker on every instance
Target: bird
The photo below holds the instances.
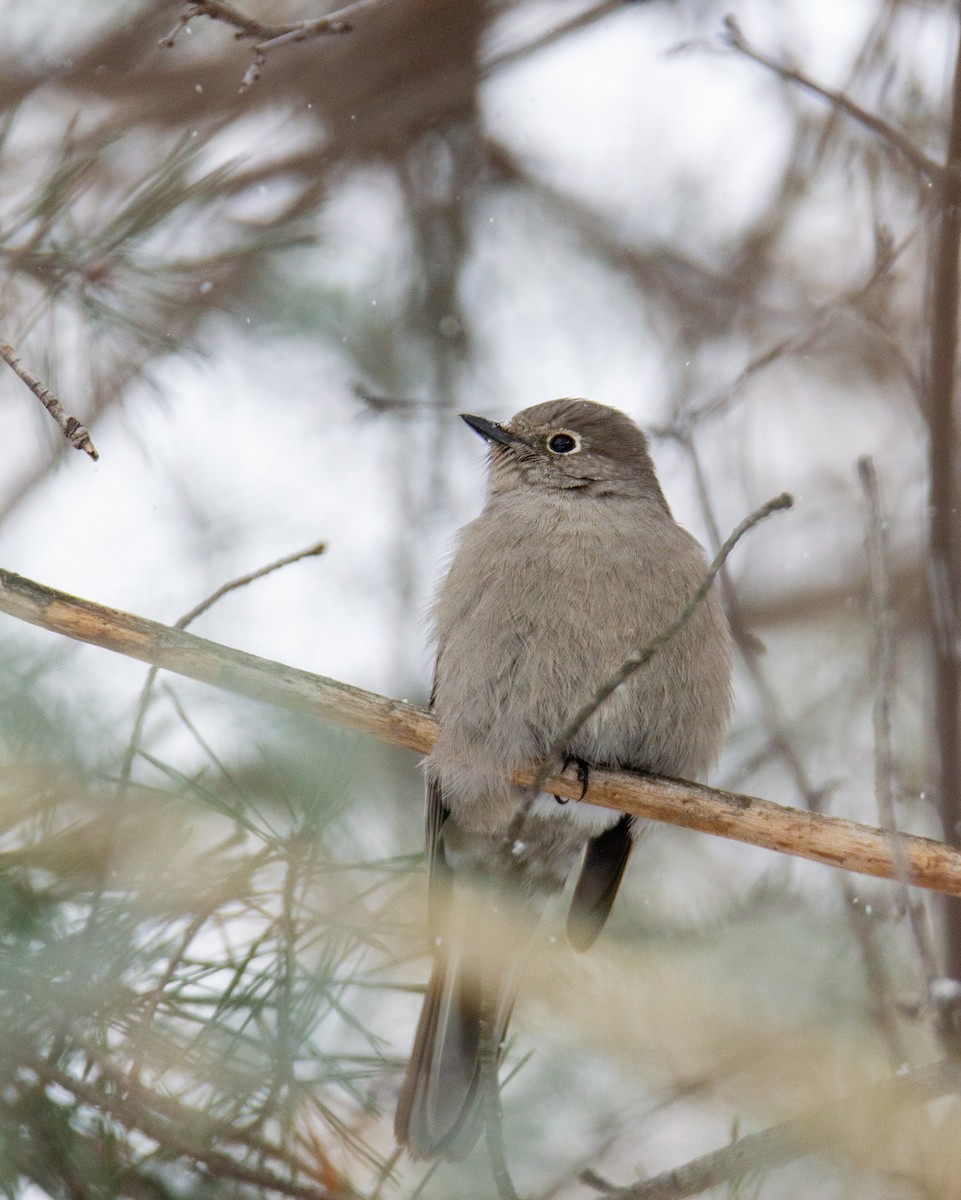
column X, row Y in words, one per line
column 574, row 562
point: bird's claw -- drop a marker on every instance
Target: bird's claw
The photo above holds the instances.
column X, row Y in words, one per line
column 583, row 775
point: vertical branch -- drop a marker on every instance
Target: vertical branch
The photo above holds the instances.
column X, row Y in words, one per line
column 945, row 583
column 438, row 175
column 883, row 671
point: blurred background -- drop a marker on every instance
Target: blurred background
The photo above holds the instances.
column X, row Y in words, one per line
column 268, row 307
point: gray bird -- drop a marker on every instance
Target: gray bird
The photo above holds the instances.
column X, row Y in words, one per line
column 575, row 562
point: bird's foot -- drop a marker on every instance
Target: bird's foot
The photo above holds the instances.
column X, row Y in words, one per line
column 583, row 775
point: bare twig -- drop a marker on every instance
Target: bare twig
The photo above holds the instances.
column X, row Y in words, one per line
column 187, row 619
column 821, row 320
column 944, row 498
column 783, row 741
column 269, row 37
column 796, row 1138
column 493, row 1112
column 833, row 841
column 75, row 433
column 243, row 580
column 640, row 657
column 557, row 30
column 143, row 703
column 883, row 671
column 734, row 37
column 167, row 41
column 251, row 28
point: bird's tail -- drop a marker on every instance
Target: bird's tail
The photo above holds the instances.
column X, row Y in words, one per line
column 441, row 1110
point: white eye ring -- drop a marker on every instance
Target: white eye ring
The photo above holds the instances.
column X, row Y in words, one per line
column 562, row 437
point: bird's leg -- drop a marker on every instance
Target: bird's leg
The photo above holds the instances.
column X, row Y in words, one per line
column 583, row 775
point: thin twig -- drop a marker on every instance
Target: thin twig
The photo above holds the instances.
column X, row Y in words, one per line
column 833, row 841
column 640, row 657
column 386, row 1174
column 940, row 409
column 167, row 41
column 175, row 1138
column 882, row 661
column 792, row 1139
column 822, row 319
column 492, row 1110
column 75, row 433
column 734, row 37
column 187, row 619
column 556, row 31
column 143, row 703
column 269, row 37
column 243, row 580
column 782, row 735
column 261, row 31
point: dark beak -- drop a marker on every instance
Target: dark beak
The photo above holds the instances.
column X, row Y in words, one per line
column 490, row 431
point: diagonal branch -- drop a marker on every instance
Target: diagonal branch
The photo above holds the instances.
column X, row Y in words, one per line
column 795, row 1138
column 734, row 37
column 555, row 32
column 76, row 434
column 833, row 841
column 267, row 37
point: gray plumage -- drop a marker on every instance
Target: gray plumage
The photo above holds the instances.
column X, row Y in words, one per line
column 574, row 562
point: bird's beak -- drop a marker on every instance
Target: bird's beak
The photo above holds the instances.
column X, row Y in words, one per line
column 491, row 431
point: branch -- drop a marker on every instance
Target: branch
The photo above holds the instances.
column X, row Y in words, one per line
column 554, row 33
column 823, row 319
column 944, row 496
column 734, row 37
column 791, row 1139
column 834, row 841
column 882, row 669
column 75, row 433
column 269, row 37
column 188, row 618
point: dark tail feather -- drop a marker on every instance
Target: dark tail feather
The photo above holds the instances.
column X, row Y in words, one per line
column 597, row 884
column 440, row 1108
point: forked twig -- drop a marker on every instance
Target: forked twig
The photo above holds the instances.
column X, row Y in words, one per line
column 268, row 37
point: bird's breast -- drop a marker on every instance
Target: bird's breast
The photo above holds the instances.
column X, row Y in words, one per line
column 540, row 609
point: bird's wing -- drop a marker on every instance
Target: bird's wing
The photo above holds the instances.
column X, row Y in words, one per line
column 438, row 871
column 597, row 884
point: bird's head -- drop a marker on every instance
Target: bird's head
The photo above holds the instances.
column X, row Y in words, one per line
column 569, row 445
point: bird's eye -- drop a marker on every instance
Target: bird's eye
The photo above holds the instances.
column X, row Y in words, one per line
column 563, row 443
